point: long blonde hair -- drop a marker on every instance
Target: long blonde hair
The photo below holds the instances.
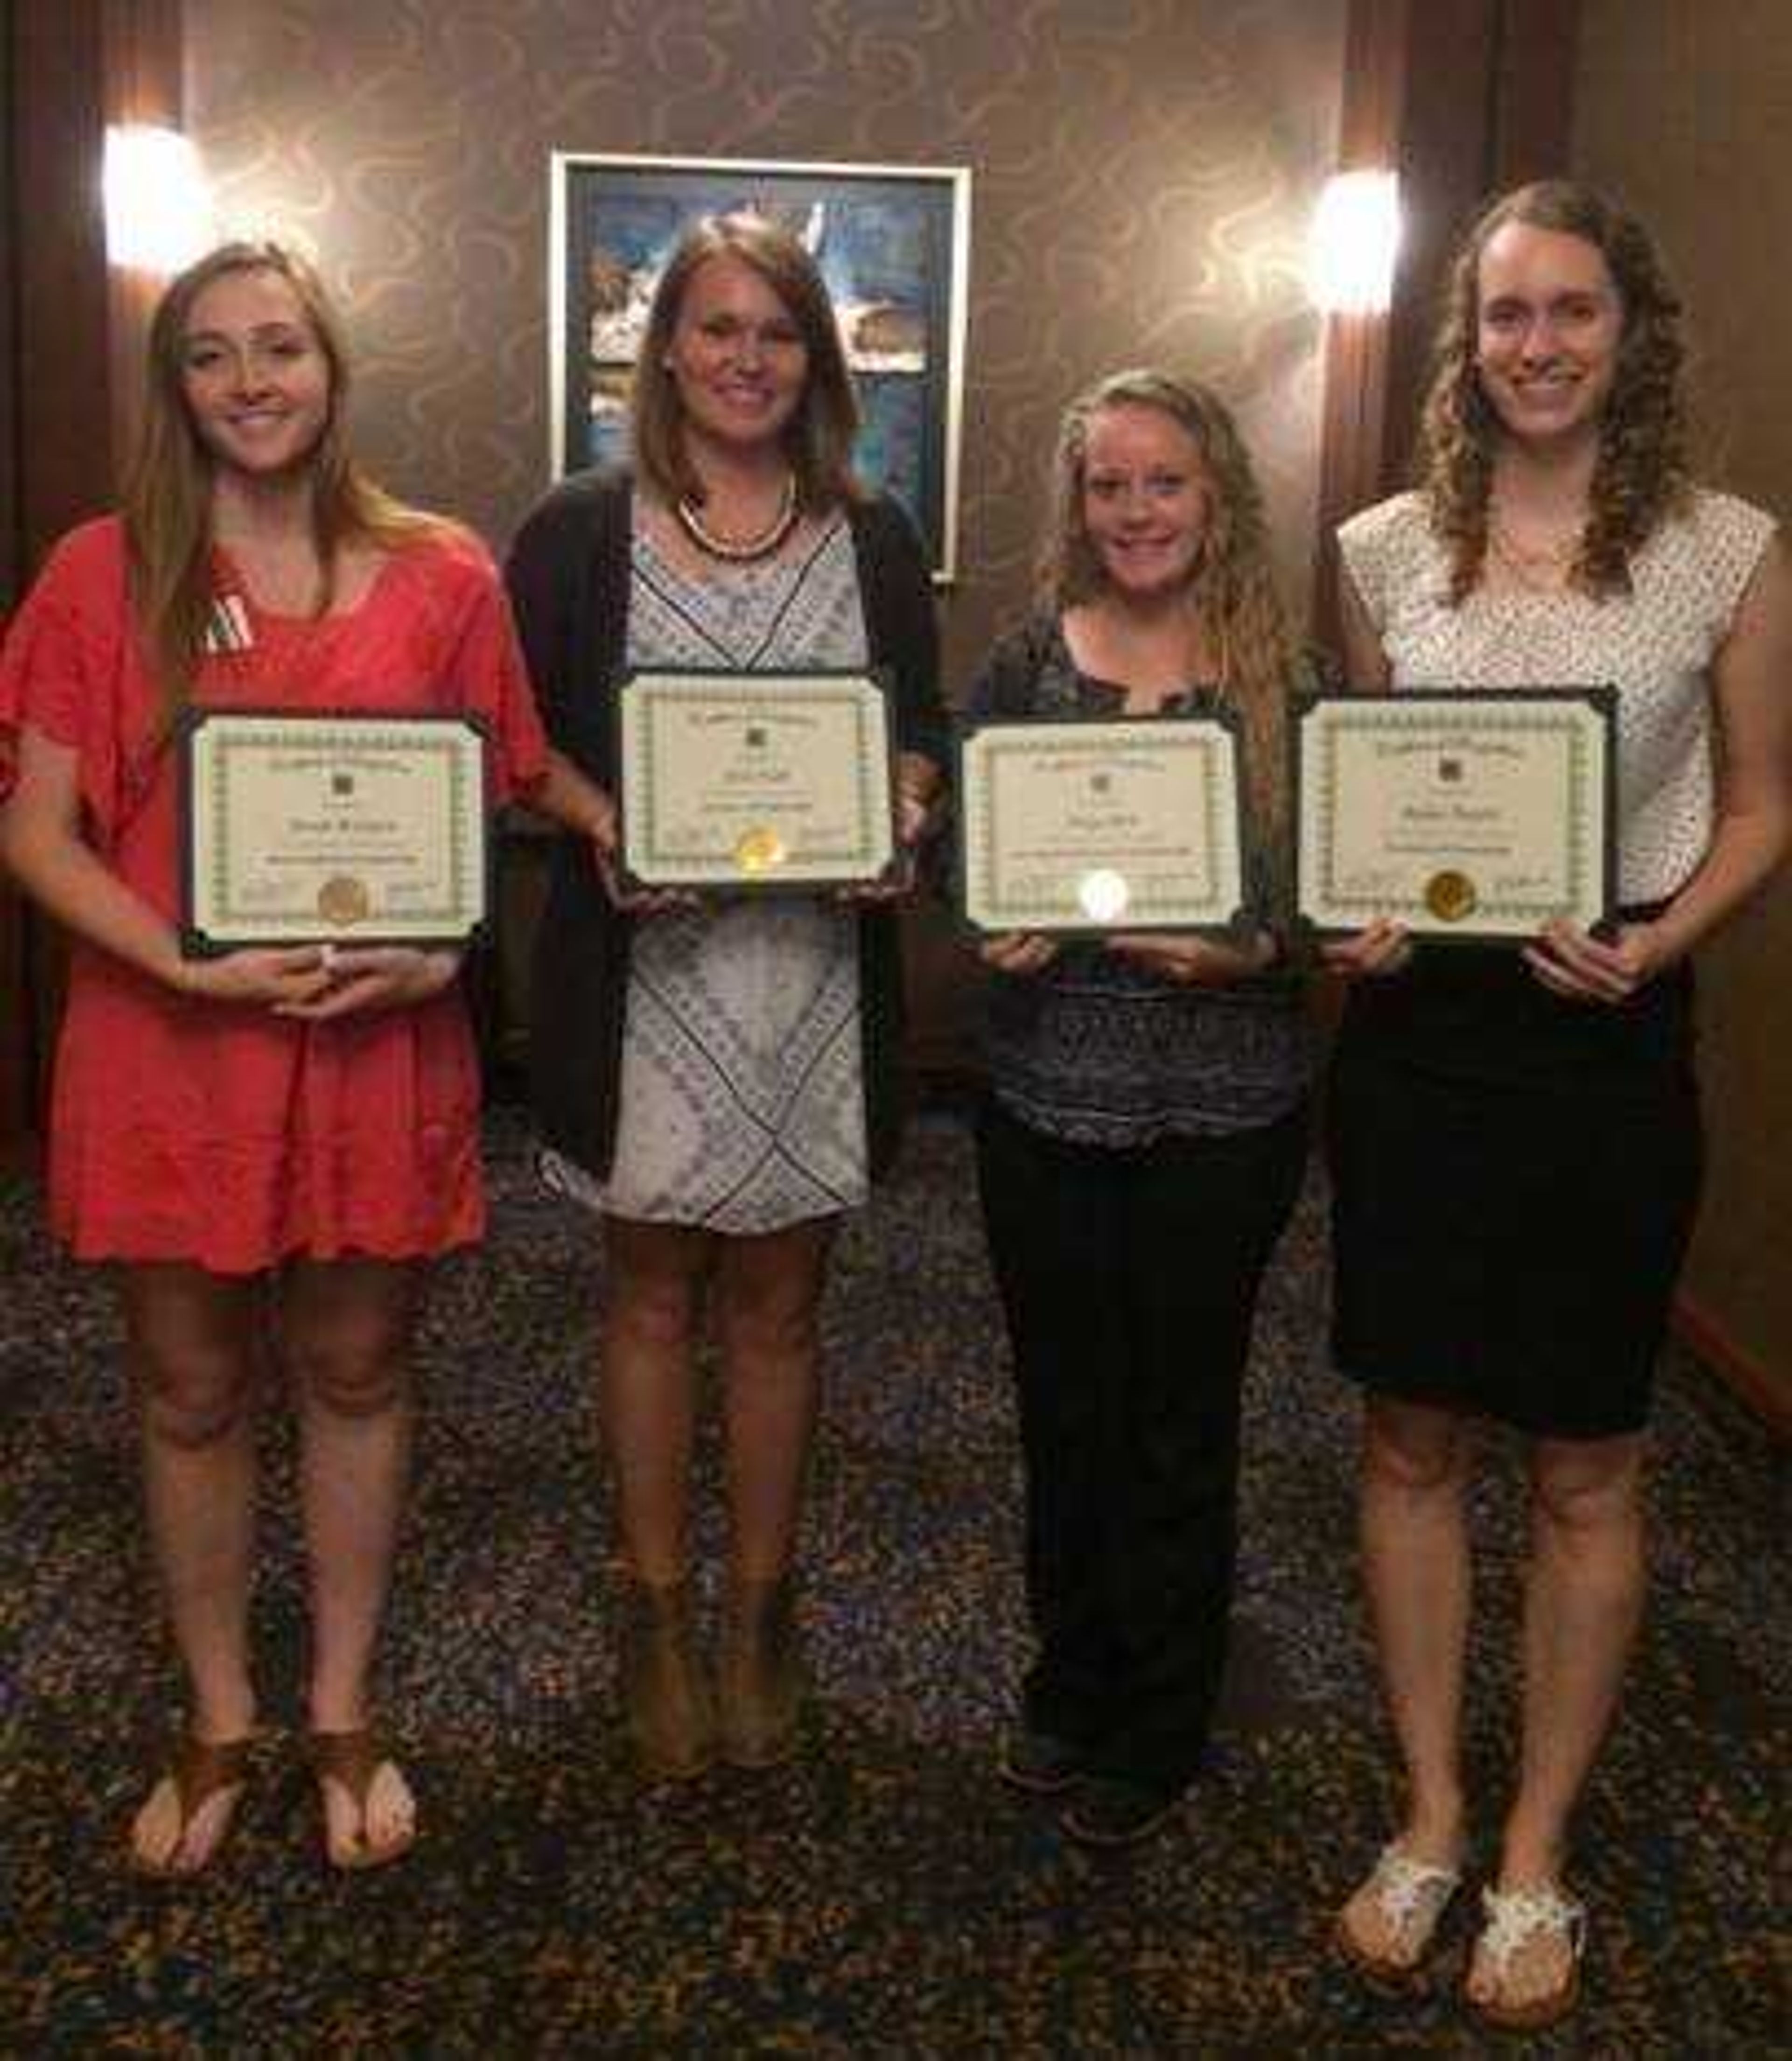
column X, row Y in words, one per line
column 1640, row 475
column 168, row 490
column 818, row 439
column 1232, row 588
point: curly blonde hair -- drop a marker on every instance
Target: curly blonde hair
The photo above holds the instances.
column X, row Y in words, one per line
column 1232, row 588
column 1640, row 475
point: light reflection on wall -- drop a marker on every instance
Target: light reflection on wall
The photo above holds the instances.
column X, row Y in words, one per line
column 1354, row 243
column 159, row 216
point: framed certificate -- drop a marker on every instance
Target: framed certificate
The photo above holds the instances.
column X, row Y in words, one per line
column 754, row 781
column 344, row 829
column 1461, row 813
column 1133, row 824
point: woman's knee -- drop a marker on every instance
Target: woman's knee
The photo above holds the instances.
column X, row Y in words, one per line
column 655, row 1291
column 1414, row 1448
column 657, row 1311
column 193, row 1348
column 769, row 1327
column 771, row 1310
column 195, row 1398
column 1587, row 1489
column 345, row 1334
column 350, row 1370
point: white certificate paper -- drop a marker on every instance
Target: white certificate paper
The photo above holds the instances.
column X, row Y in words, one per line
column 1458, row 813
column 345, row 829
column 745, row 782
column 1093, row 826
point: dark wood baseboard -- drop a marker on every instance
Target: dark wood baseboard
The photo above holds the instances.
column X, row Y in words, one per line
column 1747, row 1379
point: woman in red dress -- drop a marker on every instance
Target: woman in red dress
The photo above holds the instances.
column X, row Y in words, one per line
column 265, row 1144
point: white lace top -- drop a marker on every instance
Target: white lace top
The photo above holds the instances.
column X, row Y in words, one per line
column 1654, row 644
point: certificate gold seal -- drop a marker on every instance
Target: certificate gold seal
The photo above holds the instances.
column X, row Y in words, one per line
column 344, row 900
column 1103, row 895
column 1450, row 896
column 759, row 851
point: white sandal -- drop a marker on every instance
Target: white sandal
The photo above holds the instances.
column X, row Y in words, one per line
column 1411, row 1897
column 1515, row 1917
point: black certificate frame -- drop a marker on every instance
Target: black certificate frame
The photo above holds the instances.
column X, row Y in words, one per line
column 198, row 943
column 1245, row 917
column 1447, row 700
column 893, row 874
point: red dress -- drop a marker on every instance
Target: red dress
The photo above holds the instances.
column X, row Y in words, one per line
column 183, row 1129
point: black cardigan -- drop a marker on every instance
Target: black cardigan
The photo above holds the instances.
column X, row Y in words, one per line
column 569, row 576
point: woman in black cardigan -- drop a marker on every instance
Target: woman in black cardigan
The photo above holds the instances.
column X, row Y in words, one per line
column 719, row 1081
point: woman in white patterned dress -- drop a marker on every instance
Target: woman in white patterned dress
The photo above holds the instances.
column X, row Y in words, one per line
column 717, row 1079
column 1514, row 1134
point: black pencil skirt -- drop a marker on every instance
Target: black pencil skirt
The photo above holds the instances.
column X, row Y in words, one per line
column 1514, row 1179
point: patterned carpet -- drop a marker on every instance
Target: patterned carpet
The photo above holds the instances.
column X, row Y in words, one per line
column 884, row 1896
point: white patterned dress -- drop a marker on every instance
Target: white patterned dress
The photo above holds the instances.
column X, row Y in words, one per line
column 743, row 1096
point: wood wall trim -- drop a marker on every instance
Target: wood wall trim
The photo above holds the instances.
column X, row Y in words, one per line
column 68, row 328
column 12, row 567
column 1703, row 1335
column 58, row 233
column 1461, row 99
column 73, row 68
column 18, row 1070
column 1536, row 55
column 141, row 82
column 1352, row 434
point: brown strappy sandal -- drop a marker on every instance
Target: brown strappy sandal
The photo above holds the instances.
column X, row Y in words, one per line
column 200, row 1770
column 353, row 1759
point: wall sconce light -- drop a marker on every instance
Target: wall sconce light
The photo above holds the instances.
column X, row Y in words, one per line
column 1353, row 242
column 159, row 216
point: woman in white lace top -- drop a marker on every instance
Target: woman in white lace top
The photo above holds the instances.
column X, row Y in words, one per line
column 1514, row 1133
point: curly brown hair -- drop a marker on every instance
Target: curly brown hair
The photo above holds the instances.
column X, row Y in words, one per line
column 1233, row 587
column 1640, row 475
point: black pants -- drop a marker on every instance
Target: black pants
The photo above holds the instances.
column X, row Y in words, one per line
column 1129, row 1279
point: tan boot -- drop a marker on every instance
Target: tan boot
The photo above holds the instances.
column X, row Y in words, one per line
column 761, row 1682
column 668, row 1711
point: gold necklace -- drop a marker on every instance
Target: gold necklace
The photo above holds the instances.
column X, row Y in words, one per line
column 741, row 550
column 1542, row 568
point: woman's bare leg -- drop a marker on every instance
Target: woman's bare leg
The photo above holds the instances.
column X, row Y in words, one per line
column 769, row 1297
column 346, row 1332
column 1583, row 1602
column 768, row 1304
column 648, row 1387
column 1415, row 1552
column 191, row 1341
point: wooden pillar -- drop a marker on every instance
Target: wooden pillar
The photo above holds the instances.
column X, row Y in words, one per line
column 16, row 1057
column 69, row 331
column 1353, row 426
column 1462, row 98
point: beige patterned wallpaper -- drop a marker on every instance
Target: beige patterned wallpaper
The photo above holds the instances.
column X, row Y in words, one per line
column 1143, row 170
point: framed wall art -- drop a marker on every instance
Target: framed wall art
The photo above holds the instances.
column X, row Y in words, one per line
column 891, row 242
